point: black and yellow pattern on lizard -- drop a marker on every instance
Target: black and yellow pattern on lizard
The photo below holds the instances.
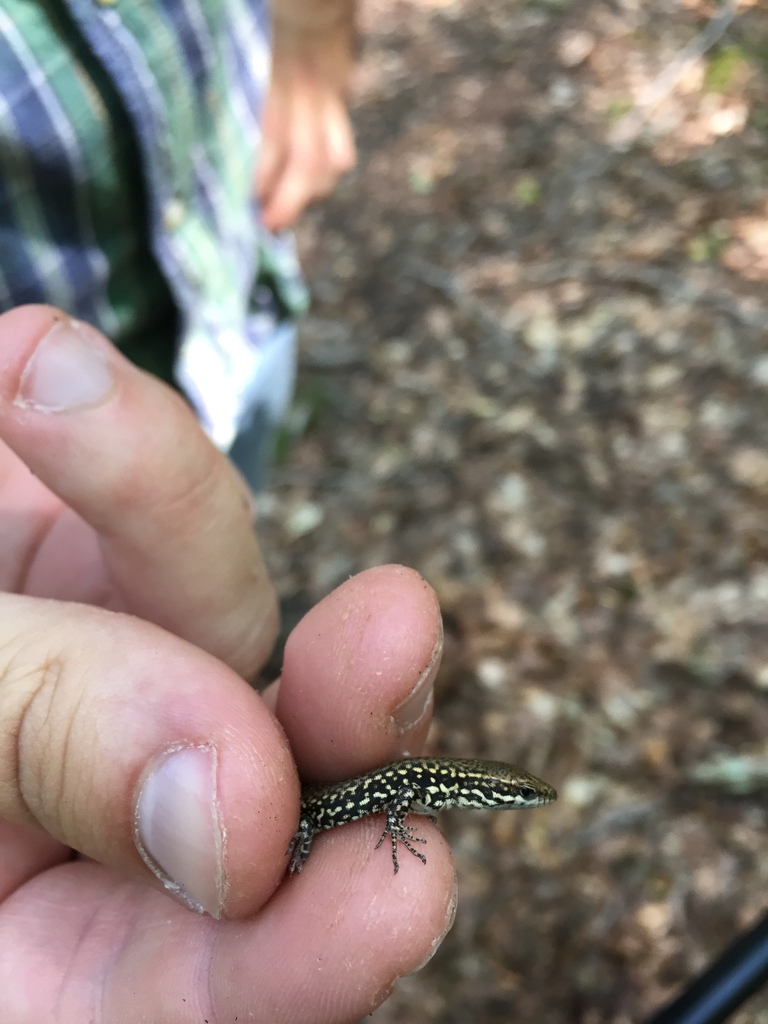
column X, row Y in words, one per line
column 417, row 784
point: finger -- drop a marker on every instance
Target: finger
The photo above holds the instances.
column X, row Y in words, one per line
column 143, row 752
column 366, row 697
column 273, row 147
column 293, row 190
column 25, row 852
column 305, row 172
column 326, row 949
column 339, row 137
column 28, row 511
column 124, row 451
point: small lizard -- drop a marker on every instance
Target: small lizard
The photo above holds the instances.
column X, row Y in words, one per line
column 416, row 784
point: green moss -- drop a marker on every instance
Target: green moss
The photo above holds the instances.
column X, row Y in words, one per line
column 528, row 191
column 724, row 67
column 758, row 118
column 618, row 107
column 421, row 184
column 707, row 246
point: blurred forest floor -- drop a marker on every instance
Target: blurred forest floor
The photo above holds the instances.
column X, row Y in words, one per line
column 536, row 370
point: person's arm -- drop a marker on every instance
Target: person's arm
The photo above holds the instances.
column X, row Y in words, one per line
column 307, row 135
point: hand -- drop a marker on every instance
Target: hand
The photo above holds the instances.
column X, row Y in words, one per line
column 307, row 138
column 118, row 736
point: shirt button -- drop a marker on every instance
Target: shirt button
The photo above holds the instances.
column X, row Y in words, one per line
column 173, row 214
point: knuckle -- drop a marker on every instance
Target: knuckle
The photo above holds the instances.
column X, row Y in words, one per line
column 35, row 740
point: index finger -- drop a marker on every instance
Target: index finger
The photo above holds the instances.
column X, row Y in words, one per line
column 125, row 452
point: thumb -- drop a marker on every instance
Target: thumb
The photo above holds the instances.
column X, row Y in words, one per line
column 143, row 752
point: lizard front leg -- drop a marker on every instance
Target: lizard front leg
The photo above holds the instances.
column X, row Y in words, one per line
column 396, row 827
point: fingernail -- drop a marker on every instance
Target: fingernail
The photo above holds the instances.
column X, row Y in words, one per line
column 450, row 917
column 67, row 370
column 177, row 829
column 418, row 703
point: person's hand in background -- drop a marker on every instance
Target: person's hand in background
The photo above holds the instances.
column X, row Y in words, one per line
column 307, row 141
column 133, row 756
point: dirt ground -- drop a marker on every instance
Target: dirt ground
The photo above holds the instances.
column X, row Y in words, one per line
column 536, row 369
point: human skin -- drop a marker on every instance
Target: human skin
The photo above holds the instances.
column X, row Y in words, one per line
column 135, row 605
column 307, row 139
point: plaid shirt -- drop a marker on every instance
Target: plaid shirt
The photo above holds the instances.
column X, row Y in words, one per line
column 129, row 131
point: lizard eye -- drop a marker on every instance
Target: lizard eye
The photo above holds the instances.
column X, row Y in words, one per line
column 527, row 792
